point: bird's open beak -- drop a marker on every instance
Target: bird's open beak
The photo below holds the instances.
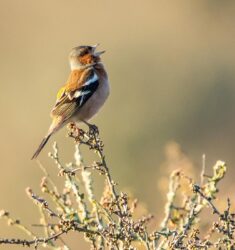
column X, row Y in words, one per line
column 98, row 53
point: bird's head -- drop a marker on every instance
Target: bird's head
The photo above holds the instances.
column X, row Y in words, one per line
column 83, row 56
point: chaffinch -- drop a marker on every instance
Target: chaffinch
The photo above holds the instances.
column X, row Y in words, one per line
column 83, row 94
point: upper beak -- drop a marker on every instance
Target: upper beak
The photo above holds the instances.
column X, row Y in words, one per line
column 98, row 53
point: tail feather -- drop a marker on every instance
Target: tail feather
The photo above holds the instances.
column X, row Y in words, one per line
column 41, row 146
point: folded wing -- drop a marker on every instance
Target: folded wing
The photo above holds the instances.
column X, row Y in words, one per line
column 70, row 101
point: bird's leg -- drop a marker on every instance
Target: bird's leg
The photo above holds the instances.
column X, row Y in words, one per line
column 92, row 127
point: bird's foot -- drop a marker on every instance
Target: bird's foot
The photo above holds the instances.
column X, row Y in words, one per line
column 92, row 128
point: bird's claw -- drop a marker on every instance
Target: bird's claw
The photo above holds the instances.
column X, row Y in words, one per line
column 93, row 129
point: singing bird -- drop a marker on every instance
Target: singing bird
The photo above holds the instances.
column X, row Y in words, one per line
column 84, row 93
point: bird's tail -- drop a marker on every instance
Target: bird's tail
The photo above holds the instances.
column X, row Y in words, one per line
column 41, row 146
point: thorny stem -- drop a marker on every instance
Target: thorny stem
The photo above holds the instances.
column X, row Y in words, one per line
column 98, row 146
column 110, row 181
column 108, row 176
column 31, row 242
column 99, row 150
column 45, row 240
column 43, row 203
column 197, row 189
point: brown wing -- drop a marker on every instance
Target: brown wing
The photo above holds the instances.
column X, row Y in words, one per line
column 72, row 98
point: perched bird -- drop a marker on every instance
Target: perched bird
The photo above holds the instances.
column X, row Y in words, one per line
column 85, row 91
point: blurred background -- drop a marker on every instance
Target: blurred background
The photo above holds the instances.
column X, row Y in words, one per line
column 171, row 67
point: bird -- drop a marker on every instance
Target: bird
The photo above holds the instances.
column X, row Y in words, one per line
column 84, row 93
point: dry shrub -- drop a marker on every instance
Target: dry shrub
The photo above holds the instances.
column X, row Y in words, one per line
column 109, row 221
